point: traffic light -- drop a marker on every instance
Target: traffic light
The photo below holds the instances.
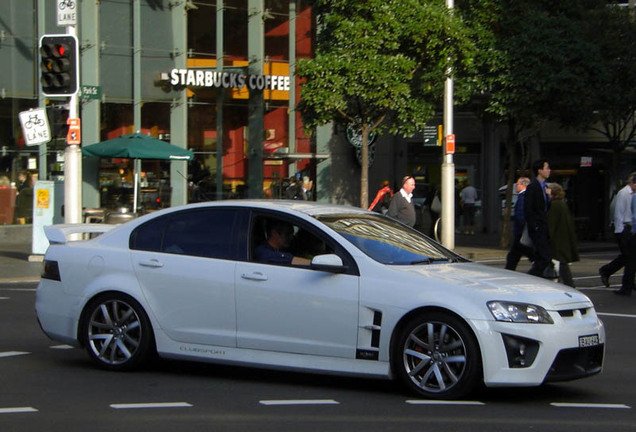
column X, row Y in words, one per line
column 59, row 65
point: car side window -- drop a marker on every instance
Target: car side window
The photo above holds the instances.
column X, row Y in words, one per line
column 275, row 241
column 200, row 232
column 148, row 237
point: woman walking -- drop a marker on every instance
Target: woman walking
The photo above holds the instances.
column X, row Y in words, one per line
column 562, row 234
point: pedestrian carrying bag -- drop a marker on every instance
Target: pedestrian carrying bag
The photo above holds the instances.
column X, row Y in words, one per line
column 436, row 205
column 525, row 237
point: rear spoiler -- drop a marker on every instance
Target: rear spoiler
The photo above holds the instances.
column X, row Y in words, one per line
column 62, row 233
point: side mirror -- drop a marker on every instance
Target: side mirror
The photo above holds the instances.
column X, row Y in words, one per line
column 329, row 262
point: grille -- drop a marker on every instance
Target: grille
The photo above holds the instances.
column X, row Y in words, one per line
column 576, row 363
column 570, row 312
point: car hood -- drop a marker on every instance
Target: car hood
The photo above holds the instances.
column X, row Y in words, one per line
column 498, row 284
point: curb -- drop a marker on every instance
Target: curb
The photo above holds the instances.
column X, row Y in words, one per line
column 17, row 280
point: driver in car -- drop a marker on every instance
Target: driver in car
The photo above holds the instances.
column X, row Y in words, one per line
column 275, row 249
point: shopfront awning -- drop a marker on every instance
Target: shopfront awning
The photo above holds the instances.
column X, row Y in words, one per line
column 137, row 146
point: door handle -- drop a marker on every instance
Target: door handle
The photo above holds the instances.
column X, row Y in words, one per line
column 151, row 263
column 254, row 276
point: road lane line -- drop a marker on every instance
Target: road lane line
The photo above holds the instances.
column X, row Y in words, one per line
column 584, row 405
column 17, row 410
column 442, row 402
column 12, row 353
column 151, row 405
column 299, row 402
column 61, row 347
column 598, row 288
column 616, row 315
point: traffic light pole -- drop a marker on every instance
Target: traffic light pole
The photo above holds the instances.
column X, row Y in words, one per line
column 73, row 163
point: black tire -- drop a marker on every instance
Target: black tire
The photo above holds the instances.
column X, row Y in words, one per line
column 437, row 356
column 116, row 332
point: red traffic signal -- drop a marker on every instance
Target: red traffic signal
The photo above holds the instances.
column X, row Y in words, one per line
column 59, row 65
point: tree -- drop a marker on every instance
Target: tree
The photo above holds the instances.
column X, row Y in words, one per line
column 380, row 66
column 536, row 64
column 610, row 104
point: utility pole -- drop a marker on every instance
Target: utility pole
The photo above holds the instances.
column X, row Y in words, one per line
column 448, row 166
column 73, row 159
column 59, row 77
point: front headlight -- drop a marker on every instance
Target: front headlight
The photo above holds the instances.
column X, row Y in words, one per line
column 519, row 312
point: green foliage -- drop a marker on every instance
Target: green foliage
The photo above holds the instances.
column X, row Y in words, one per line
column 612, row 92
column 381, row 63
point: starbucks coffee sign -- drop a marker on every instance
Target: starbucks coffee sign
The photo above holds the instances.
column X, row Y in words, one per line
column 218, row 79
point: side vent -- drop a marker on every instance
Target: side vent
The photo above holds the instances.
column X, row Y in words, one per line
column 377, row 326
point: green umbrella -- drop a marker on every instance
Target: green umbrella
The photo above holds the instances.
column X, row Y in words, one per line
column 137, row 146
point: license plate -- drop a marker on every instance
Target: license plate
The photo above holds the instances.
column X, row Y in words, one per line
column 588, row 341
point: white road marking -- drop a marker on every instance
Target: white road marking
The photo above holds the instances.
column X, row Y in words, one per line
column 442, row 402
column 151, row 405
column 583, row 405
column 300, row 402
column 597, row 288
column 587, row 277
column 5, row 298
column 616, row 315
column 598, row 254
column 12, row 353
column 61, row 347
column 17, row 410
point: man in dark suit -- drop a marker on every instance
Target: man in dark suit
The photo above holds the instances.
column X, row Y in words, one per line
column 536, row 210
column 518, row 250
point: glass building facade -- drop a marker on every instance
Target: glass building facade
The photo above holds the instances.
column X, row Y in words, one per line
column 216, row 77
column 212, row 76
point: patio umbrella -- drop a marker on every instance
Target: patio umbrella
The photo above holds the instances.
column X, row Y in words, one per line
column 137, row 146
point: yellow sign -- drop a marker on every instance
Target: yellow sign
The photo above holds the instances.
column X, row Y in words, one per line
column 42, row 198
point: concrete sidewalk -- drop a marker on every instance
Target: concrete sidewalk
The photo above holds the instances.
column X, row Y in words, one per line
column 17, row 264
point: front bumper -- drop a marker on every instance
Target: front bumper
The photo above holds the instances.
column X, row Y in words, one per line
column 557, row 355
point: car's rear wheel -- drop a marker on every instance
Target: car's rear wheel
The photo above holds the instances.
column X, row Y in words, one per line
column 116, row 332
column 437, row 356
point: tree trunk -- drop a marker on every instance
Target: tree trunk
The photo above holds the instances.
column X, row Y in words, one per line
column 512, row 168
column 364, row 172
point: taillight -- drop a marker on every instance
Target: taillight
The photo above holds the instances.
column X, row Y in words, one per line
column 50, row 270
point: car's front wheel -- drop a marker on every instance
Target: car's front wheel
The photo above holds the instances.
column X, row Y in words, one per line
column 437, row 356
column 116, row 332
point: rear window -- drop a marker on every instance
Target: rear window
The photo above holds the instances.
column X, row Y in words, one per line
column 201, row 232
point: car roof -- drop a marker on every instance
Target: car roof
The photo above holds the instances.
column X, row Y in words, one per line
column 310, row 208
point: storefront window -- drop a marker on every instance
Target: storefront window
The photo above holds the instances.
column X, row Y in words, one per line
column 205, row 109
column 117, row 175
column 20, row 163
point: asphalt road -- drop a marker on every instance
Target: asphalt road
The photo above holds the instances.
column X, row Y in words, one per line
column 51, row 387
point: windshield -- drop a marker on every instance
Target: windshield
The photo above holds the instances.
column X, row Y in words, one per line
column 388, row 241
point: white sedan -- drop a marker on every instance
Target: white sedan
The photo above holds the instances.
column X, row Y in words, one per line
column 310, row 287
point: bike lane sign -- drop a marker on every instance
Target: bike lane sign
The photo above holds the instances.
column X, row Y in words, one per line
column 66, row 13
column 35, row 126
